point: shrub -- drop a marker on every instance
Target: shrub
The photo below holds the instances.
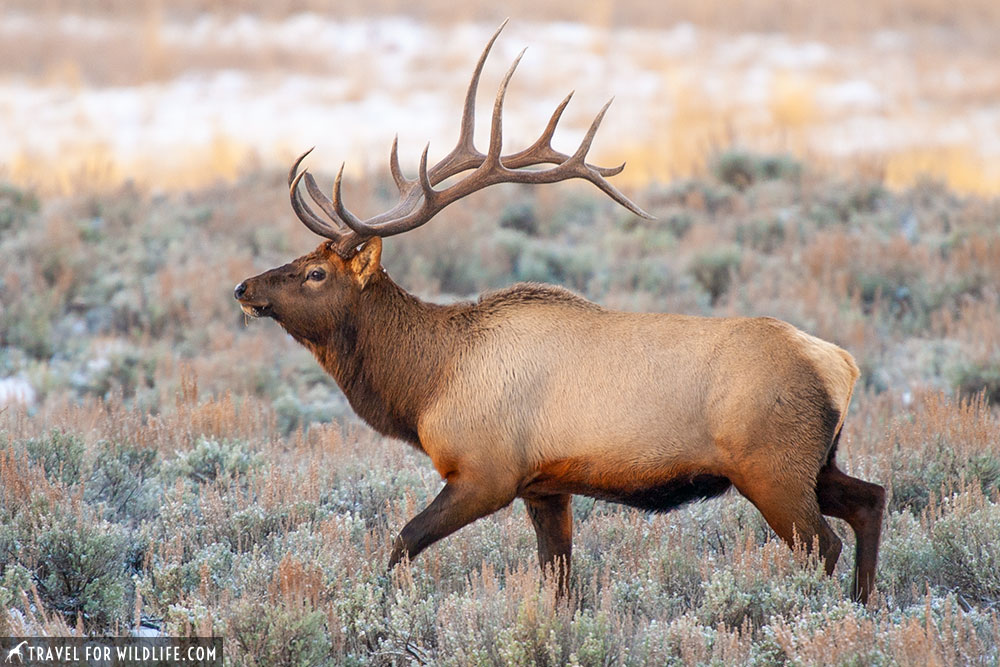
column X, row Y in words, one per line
column 520, row 217
column 16, row 207
column 172, row 578
column 123, row 479
column 210, row 459
column 846, row 202
column 120, row 368
column 28, row 322
column 764, row 234
column 763, row 584
column 973, row 379
column 267, row 634
column 678, row 223
column 713, row 269
column 320, row 404
column 60, row 454
column 741, row 169
column 966, row 544
column 78, row 564
column 573, row 267
column 942, row 446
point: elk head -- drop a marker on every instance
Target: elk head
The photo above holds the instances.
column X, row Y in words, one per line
column 309, row 296
column 306, row 295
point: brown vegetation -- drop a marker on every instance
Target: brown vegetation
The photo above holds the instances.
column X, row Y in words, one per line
column 162, row 434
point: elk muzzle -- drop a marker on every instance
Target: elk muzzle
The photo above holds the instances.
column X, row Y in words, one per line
column 247, row 303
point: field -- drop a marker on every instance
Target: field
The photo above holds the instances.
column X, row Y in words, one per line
column 179, row 467
column 166, row 464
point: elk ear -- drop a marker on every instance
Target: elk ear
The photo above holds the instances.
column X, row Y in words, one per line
column 366, row 261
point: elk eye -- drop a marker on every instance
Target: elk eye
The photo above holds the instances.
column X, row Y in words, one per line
column 317, row 275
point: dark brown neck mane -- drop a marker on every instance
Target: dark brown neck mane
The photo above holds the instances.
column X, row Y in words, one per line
column 388, row 355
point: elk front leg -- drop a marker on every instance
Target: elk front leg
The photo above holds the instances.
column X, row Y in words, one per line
column 553, row 521
column 461, row 501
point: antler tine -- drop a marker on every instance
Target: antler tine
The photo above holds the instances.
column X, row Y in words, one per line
column 488, row 171
column 616, row 194
column 397, row 174
column 575, row 166
column 465, row 155
column 346, row 221
column 588, row 139
column 308, row 217
column 462, row 157
column 496, row 122
column 315, row 224
column 335, row 208
column 542, row 152
column 466, row 134
column 430, row 193
column 295, row 166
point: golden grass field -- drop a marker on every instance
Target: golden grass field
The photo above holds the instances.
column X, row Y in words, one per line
column 166, row 465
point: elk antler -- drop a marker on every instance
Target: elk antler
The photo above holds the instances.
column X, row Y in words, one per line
column 419, row 201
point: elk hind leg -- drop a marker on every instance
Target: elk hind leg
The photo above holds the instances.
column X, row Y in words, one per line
column 552, row 518
column 860, row 504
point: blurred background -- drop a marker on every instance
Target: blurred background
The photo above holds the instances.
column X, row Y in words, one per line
column 176, row 93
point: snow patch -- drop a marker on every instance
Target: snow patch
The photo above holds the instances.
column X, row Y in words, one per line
column 854, row 94
column 16, row 391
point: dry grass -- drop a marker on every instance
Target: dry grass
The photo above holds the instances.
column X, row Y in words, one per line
column 179, row 468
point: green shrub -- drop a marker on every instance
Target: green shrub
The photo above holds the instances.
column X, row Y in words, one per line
column 210, row 459
column 679, row 223
column 78, row 564
column 572, row 267
column 925, row 472
column 319, row 404
column 28, row 322
column 966, row 545
column 171, row 580
column 972, row 379
column 266, row 634
column 123, row 479
column 16, row 207
column 647, row 274
column 741, row 169
column 60, row 454
column 735, row 595
column 123, row 369
column 841, row 203
column 520, row 217
column 713, row 269
column 764, row 234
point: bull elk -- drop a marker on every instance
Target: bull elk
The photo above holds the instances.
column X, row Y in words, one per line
column 533, row 392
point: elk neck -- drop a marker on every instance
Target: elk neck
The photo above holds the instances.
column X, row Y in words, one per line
column 388, row 354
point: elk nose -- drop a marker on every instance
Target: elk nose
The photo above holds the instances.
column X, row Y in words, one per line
column 240, row 290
